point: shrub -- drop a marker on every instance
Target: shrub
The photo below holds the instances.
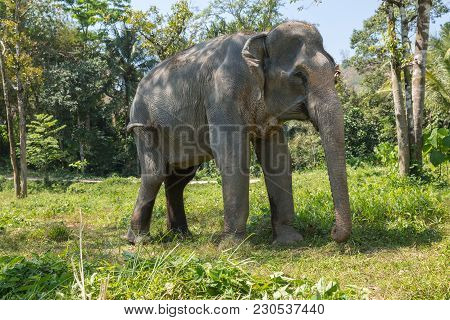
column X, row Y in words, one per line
column 305, row 146
column 43, row 148
column 386, row 154
column 36, row 278
column 437, row 146
column 58, row 232
column 2, row 183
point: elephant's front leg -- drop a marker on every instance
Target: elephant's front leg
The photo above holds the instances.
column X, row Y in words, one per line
column 231, row 152
column 273, row 155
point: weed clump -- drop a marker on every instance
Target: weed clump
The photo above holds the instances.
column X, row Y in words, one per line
column 58, row 232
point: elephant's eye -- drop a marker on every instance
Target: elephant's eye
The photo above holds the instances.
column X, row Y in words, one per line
column 301, row 75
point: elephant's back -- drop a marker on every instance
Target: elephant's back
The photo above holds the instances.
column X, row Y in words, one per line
column 176, row 91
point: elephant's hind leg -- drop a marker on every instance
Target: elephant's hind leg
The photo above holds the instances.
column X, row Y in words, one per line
column 142, row 213
column 174, row 186
column 152, row 176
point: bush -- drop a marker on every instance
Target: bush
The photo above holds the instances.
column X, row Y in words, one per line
column 2, row 183
column 43, row 148
column 58, row 232
column 305, row 146
column 361, row 134
column 437, row 146
column 36, row 278
column 386, row 154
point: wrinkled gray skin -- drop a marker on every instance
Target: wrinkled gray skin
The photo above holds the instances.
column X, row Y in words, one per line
column 229, row 83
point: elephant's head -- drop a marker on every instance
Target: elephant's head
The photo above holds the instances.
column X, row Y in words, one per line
column 295, row 77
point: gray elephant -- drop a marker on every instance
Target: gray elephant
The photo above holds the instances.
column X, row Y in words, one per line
column 215, row 99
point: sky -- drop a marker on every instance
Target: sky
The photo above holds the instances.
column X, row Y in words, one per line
column 336, row 19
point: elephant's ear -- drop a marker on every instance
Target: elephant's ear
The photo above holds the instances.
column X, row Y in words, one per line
column 254, row 53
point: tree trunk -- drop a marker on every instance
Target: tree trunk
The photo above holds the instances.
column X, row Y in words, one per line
column 21, row 108
column 80, row 126
column 11, row 138
column 22, row 132
column 418, row 80
column 400, row 112
column 406, row 45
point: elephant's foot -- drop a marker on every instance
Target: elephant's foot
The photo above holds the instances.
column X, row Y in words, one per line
column 231, row 239
column 136, row 237
column 341, row 233
column 181, row 232
column 286, row 235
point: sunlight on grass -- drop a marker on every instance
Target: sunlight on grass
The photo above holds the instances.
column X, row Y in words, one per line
column 398, row 249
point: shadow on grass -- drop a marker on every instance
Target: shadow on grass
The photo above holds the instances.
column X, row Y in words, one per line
column 106, row 241
column 365, row 238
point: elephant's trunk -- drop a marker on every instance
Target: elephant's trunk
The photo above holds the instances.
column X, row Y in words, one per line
column 329, row 119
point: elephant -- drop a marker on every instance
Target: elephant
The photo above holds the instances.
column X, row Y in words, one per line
column 216, row 99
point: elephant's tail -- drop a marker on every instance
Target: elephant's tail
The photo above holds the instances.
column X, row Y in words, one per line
column 133, row 125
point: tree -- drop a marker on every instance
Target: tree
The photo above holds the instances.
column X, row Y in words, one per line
column 20, row 64
column 373, row 55
column 437, row 95
column 164, row 36
column 43, row 148
column 397, row 93
column 19, row 9
column 90, row 14
column 128, row 60
column 226, row 17
column 10, row 125
column 419, row 73
column 406, row 17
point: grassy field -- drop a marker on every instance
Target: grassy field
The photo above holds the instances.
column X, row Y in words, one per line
column 399, row 247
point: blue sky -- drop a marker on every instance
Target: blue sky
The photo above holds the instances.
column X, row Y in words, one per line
column 336, row 19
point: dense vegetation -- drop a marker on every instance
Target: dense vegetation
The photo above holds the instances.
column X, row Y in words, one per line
column 80, row 62
column 399, row 247
column 70, row 69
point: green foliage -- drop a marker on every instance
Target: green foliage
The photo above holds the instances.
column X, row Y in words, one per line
column 386, row 153
column 369, row 54
column 79, row 165
column 43, row 148
column 377, row 44
column 58, row 232
column 89, row 13
column 83, row 59
column 305, row 146
column 362, row 126
column 164, row 36
column 167, row 276
column 227, row 17
column 437, row 146
column 4, row 145
column 36, row 278
column 3, row 133
column 437, row 97
column 2, row 182
column 361, row 135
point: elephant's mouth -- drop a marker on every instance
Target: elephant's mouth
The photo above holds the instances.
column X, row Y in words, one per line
column 301, row 109
column 297, row 111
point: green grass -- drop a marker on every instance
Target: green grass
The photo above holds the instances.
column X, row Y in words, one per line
column 399, row 248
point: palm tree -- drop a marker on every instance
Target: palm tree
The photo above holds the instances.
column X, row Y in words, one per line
column 438, row 78
column 128, row 61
